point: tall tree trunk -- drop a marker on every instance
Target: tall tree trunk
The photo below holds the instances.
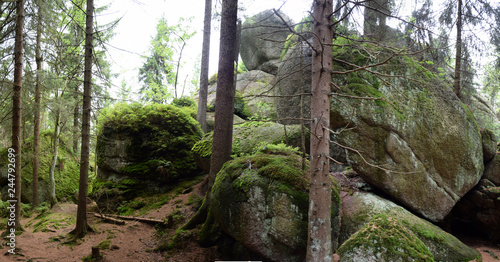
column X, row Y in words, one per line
column 178, row 66
column 36, row 132
column 458, row 55
column 205, row 57
column 224, row 101
column 81, row 215
column 17, row 116
column 52, row 180
column 76, row 114
column 319, row 242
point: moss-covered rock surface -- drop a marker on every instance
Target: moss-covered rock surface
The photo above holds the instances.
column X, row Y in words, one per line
column 384, row 238
column 143, row 148
column 262, row 202
column 360, row 208
column 249, row 137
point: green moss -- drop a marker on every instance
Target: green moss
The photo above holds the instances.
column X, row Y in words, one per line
column 384, row 238
column 52, row 221
column 161, row 139
column 105, row 244
column 203, row 147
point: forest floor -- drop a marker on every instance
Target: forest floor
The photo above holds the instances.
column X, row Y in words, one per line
column 135, row 241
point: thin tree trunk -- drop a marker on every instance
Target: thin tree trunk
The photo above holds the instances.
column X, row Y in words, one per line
column 319, row 242
column 223, row 125
column 36, row 132
column 205, row 57
column 458, row 55
column 52, row 180
column 179, row 65
column 17, row 116
column 82, row 227
column 76, row 113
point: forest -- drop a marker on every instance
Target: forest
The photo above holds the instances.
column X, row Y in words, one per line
column 365, row 130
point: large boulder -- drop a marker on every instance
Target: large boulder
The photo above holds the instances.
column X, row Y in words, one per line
column 489, row 143
column 492, row 170
column 142, row 149
column 263, row 37
column 251, row 99
column 262, row 202
column 481, row 209
column 410, row 137
column 384, row 238
column 248, row 137
column 360, row 208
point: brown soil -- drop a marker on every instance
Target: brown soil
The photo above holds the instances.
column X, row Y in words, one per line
column 134, row 241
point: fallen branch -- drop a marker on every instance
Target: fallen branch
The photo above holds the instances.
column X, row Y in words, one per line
column 140, row 219
column 110, row 219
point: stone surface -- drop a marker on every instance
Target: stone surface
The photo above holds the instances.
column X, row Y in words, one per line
column 251, row 88
column 481, row 208
column 262, row 202
column 360, row 208
column 492, row 170
column 484, row 113
column 384, row 238
column 247, row 138
column 294, row 77
column 418, row 143
column 263, row 38
column 489, row 143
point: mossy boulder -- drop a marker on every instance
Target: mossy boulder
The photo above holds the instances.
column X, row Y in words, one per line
column 262, row 202
column 483, row 111
column 248, row 137
column 410, row 134
column 67, row 171
column 492, row 170
column 144, row 147
column 384, row 238
column 360, row 208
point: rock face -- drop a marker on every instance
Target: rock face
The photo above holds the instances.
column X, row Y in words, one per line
column 292, row 80
column 247, row 138
column 250, row 99
column 263, row 38
column 481, row 208
column 489, row 143
column 261, row 201
column 384, row 238
column 426, row 141
column 361, row 208
column 484, row 113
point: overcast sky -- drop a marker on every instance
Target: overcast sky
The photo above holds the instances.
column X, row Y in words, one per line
column 137, row 27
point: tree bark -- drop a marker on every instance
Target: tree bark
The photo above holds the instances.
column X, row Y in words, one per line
column 81, row 215
column 224, row 101
column 319, row 242
column 76, row 114
column 205, row 59
column 52, row 180
column 458, row 54
column 36, row 131
column 17, row 114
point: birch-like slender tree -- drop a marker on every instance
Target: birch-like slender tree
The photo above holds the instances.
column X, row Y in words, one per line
column 38, row 88
column 319, row 242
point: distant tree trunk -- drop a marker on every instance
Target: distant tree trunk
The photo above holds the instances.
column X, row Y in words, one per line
column 458, row 55
column 36, row 132
column 82, row 227
column 179, row 65
column 76, row 114
column 224, row 101
column 17, row 113
column 319, row 242
column 205, row 57
column 375, row 15
column 52, row 180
